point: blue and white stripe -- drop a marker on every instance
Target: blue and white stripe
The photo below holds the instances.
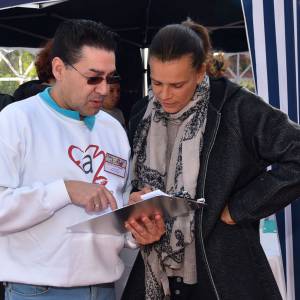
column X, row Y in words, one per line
column 274, row 41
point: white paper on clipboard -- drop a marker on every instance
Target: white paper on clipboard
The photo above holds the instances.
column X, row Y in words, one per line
column 156, row 201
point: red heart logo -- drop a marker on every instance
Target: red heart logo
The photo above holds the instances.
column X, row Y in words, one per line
column 85, row 162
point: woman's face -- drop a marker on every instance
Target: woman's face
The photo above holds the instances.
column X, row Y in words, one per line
column 174, row 82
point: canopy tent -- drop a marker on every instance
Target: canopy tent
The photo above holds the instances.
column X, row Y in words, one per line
column 274, row 38
column 136, row 21
column 25, row 3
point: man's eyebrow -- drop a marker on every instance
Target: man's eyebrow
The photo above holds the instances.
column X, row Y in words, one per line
column 96, row 71
column 101, row 72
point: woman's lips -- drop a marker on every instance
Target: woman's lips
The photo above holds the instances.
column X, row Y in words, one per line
column 167, row 104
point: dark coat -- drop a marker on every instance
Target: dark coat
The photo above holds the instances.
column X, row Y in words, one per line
column 243, row 136
column 29, row 89
column 5, row 100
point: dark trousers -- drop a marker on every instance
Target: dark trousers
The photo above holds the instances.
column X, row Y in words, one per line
column 1, row 291
column 135, row 288
column 182, row 291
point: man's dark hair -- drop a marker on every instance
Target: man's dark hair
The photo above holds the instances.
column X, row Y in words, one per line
column 72, row 35
column 176, row 40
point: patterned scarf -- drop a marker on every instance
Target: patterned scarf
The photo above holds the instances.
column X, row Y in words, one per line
column 174, row 254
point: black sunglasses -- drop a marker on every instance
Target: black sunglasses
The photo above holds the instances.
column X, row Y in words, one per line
column 93, row 80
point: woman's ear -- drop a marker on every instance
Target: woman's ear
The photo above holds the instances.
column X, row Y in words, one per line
column 58, row 68
column 201, row 73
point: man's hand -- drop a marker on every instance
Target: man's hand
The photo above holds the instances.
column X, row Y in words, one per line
column 226, row 217
column 146, row 231
column 93, row 197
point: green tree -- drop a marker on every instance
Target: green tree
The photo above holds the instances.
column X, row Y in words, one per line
column 16, row 67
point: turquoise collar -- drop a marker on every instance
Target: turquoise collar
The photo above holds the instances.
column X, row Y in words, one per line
column 89, row 121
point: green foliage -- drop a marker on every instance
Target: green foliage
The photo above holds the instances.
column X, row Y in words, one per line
column 8, row 87
column 17, row 64
column 248, row 84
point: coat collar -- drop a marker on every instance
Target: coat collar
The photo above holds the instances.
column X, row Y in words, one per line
column 221, row 89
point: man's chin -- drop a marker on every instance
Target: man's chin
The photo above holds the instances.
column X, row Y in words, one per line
column 95, row 107
column 90, row 112
column 94, row 112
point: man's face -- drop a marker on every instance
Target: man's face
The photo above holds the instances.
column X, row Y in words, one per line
column 113, row 96
column 74, row 92
column 174, row 82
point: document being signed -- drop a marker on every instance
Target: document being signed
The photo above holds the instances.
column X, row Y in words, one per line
column 152, row 203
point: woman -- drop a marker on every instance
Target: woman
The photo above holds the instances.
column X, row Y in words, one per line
column 213, row 140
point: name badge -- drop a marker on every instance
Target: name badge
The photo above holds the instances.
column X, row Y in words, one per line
column 115, row 165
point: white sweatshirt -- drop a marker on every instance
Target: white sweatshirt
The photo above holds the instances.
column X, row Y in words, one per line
column 40, row 148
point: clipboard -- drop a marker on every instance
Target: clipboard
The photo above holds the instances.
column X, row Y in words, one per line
column 113, row 222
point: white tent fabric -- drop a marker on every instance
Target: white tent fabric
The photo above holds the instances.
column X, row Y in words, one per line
column 4, row 4
column 273, row 36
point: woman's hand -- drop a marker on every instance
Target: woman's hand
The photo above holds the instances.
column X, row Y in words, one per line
column 146, row 231
column 136, row 196
column 226, row 217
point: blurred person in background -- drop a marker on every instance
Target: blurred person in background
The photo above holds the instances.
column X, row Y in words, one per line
column 216, row 65
column 6, row 99
column 111, row 101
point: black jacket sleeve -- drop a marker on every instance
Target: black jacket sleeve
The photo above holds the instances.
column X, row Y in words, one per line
column 274, row 141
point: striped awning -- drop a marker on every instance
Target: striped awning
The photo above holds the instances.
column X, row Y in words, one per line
column 274, row 40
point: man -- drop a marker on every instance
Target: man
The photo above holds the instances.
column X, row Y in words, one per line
column 55, row 149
